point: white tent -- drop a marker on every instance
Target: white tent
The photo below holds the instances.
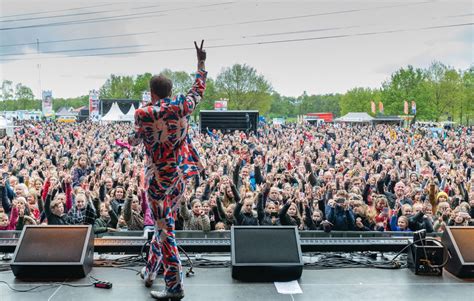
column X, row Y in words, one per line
column 130, row 116
column 359, row 117
column 114, row 114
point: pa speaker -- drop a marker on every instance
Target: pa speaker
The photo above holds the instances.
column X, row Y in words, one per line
column 264, row 254
column 52, row 252
column 228, row 121
column 459, row 242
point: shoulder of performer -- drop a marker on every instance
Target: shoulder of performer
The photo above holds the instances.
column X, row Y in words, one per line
column 143, row 111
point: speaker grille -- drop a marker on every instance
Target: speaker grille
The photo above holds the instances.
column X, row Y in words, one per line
column 43, row 244
column 463, row 238
column 273, row 245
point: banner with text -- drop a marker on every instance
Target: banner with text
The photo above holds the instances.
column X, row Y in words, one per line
column 94, row 110
column 47, row 103
column 146, row 98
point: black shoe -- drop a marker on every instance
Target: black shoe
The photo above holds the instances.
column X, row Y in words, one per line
column 167, row 295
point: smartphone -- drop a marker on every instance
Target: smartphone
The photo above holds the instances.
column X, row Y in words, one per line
column 5, row 175
column 302, row 195
column 385, row 211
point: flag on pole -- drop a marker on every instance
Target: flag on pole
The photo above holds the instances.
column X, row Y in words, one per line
column 405, row 108
column 372, row 104
column 380, row 107
column 413, row 107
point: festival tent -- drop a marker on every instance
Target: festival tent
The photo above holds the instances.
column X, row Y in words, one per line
column 114, row 114
column 130, row 116
column 356, row 117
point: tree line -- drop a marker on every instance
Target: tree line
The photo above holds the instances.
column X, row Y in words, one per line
column 440, row 92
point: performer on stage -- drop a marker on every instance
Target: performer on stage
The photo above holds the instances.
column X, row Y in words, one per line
column 162, row 127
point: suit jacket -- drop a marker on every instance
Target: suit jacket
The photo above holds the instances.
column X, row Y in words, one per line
column 162, row 127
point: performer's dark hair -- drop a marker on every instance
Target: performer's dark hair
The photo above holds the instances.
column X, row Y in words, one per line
column 161, row 86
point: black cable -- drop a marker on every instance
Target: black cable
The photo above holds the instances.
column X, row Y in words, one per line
column 344, row 260
column 447, row 257
column 403, row 249
column 83, row 49
column 55, row 11
column 26, row 290
column 51, row 285
column 112, row 18
column 190, row 271
column 253, row 43
column 213, row 26
column 147, row 243
column 59, row 16
column 83, row 39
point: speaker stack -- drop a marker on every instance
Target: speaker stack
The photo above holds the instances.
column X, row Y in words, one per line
column 53, row 252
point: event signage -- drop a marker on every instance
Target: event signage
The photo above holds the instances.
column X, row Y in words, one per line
column 94, row 110
column 47, row 103
column 220, row 105
column 146, row 98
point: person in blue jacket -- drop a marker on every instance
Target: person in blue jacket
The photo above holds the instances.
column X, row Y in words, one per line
column 341, row 215
column 399, row 223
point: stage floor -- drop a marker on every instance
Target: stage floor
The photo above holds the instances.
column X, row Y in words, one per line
column 217, row 284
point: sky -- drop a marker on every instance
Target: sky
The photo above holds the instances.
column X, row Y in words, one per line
column 314, row 46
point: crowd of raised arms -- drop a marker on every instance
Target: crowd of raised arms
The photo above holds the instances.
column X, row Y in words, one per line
column 330, row 178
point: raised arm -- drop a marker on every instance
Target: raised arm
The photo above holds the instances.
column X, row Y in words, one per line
column 183, row 209
column 194, row 95
column 136, row 136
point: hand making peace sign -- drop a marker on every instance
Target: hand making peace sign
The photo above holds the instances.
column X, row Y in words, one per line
column 201, row 54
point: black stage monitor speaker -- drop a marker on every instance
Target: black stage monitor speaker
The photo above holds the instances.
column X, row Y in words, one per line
column 459, row 242
column 264, row 254
column 52, row 252
column 228, row 121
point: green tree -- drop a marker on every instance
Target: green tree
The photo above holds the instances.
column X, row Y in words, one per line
column 244, row 88
column 7, row 90
column 445, row 88
column 142, row 83
column 466, row 109
column 75, row 102
column 282, row 106
column 117, row 87
column 182, row 81
column 407, row 84
column 320, row 103
column 358, row 100
column 453, row 86
column 23, row 92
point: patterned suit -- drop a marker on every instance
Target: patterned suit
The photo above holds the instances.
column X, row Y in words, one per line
column 171, row 160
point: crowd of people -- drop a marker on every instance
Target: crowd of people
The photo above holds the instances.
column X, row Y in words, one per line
column 331, row 177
